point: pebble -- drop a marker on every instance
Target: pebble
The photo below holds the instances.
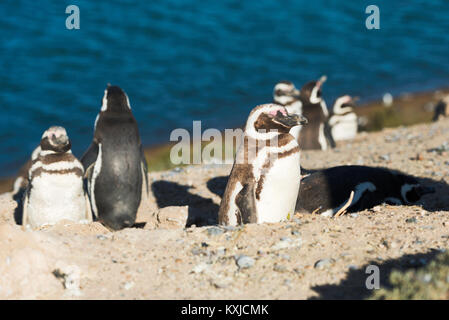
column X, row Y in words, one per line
column 279, row 268
column 410, row 220
column 323, row 263
column 214, row 231
column 385, row 157
column 128, row 285
column 286, row 243
column 200, row 268
column 244, row 262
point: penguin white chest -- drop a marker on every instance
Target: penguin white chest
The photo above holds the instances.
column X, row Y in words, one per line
column 55, row 197
column 344, row 127
column 280, row 190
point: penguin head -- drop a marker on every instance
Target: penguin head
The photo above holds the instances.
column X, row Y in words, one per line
column 311, row 91
column 272, row 118
column 285, row 92
column 411, row 189
column 55, row 139
column 115, row 100
column 343, row 104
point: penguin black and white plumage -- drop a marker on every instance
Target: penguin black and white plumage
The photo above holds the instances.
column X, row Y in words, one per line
column 343, row 121
column 115, row 164
column 441, row 109
column 55, row 189
column 264, row 182
column 21, row 181
column 327, row 191
column 286, row 94
column 316, row 135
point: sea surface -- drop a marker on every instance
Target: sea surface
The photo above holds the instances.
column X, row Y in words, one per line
column 186, row 60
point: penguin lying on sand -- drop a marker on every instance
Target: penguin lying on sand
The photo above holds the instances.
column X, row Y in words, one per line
column 356, row 188
column 316, row 135
column 264, row 182
column 55, row 183
column 115, row 164
column 343, row 120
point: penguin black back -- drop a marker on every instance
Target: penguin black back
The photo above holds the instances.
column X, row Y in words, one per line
column 325, row 191
column 115, row 164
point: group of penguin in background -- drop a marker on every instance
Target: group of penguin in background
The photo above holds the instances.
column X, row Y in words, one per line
column 107, row 184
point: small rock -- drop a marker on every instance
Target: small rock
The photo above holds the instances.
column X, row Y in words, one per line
column 410, row 220
column 172, row 217
column 200, row 268
column 214, row 231
column 244, row 262
column 323, row 263
column 128, row 285
column 286, row 243
column 279, row 268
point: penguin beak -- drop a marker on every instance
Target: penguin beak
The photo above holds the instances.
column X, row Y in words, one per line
column 295, row 93
column 289, row 120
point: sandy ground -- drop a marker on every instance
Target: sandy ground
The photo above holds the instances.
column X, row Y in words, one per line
column 308, row 257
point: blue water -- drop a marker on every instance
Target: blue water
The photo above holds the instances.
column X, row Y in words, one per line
column 185, row 60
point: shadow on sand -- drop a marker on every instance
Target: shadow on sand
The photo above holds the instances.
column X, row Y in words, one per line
column 353, row 287
column 202, row 211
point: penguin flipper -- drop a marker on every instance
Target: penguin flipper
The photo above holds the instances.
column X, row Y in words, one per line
column 89, row 171
column 328, row 135
column 25, row 210
column 144, row 166
column 90, row 156
column 246, row 203
column 89, row 215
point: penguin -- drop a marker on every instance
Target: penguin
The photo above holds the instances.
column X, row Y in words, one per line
column 355, row 188
column 264, row 181
column 343, row 120
column 316, row 135
column 286, row 94
column 115, row 164
column 55, row 189
column 441, row 109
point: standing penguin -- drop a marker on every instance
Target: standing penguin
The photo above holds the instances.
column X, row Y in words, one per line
column 343, row 120
column 264, row 182
column 115, row 163
column 286, row 94
column 356, row 188
column 55, row 183
column 441, row 109
column 317, row 133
